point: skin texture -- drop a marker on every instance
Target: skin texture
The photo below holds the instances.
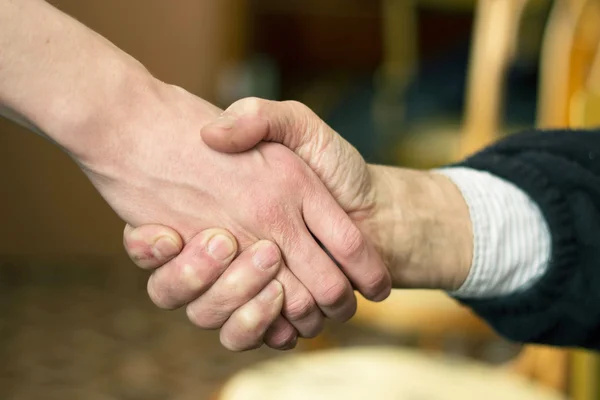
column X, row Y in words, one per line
column 269, row 194
column 137, row 139
column 417, row 220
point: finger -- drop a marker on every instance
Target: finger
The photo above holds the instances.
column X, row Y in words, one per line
column 247, row 275
column 299, row 307
column 151, row 246
column 281, row 335
column 346, row 244
column 245, row 329
column 248, row 121
column 191, row 273
column 329, row 287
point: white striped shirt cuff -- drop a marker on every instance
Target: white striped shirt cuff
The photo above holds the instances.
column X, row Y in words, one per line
column 512, row 242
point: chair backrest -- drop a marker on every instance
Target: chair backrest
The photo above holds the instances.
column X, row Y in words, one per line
column 569, row 97
column 493, row 48
column 568, row 55
column 584, row 104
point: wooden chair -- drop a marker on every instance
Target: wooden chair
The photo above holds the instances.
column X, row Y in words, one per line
column 433, row 314
column 570, row 98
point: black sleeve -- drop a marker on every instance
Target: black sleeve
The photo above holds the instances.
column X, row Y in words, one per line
column 560, row 171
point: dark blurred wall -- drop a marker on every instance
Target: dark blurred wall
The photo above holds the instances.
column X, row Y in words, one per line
column 48, row 209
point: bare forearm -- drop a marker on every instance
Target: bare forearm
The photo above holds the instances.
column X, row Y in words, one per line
column 461, row 230
column 425, row 228
column 59, row 78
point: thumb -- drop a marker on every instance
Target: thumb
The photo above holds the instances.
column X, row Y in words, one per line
column 230, row 134
column 252, row 120
column 249, row 121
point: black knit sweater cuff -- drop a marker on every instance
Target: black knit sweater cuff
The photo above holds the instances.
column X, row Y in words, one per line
column 542, row 296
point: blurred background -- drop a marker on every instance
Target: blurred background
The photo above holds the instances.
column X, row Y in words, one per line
column 417, row 83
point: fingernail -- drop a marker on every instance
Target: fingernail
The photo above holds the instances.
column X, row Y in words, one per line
column 265, row 256
column 271, row 292
column 224, row 122
column 220, row 247
column 165, row 247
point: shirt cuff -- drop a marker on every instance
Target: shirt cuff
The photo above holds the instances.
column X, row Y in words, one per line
column 512, row 242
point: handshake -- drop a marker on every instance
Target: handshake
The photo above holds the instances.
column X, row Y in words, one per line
column 262, row 221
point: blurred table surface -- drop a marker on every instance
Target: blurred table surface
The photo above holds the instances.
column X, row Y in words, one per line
column 383, row 373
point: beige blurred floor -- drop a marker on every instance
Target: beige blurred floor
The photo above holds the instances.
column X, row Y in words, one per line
column 86, row 330
column 74, row 332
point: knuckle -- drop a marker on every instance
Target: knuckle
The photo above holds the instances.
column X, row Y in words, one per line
column 245, row 328
column 204, row 320
column 378, row 283
column 297, row 106
column 232, row 344
column 233, row 284
column 303, row 119
column 190, row 281
column 351, row 242
column 235, row 292
column 280, row 338
column 314, row 330
column 299, row 308
column 349, row 311
column 254, row 320
column 255, row 317
column 248, row 105
column 334, row 294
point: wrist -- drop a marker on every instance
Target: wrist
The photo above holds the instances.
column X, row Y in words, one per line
column 91, row 125
column 425, row 228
